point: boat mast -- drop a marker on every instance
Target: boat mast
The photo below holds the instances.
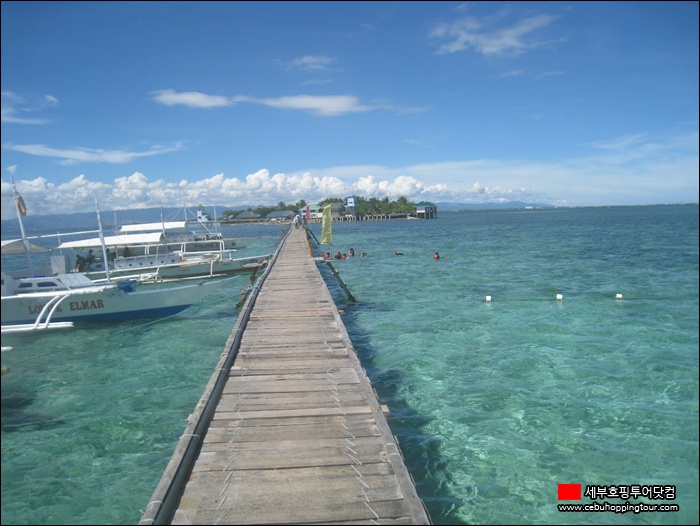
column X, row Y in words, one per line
column 216, row 227
column 21, row 212
column 102, row 242
column 163, row 235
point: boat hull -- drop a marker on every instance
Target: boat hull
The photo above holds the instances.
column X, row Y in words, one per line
column 210, row 268
column 107, row 303
column 195, row 246
column 180, row 266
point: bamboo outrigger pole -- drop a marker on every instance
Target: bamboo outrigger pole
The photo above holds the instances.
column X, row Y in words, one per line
column 342, row 283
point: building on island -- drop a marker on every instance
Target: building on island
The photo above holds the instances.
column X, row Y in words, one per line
column 281, row 215
column 426, row 210
column 248, row 215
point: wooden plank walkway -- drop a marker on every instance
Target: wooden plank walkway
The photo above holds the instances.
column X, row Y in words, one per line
column 295, row 434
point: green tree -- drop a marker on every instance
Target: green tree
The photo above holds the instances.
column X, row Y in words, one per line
column 300, row 205
column 405, row 205
column 264, row 210
column 363, row 206
column 231, row 213
column 372, row 206
column 330, row 200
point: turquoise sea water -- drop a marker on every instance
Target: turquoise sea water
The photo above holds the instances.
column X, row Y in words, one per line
column 493, row 403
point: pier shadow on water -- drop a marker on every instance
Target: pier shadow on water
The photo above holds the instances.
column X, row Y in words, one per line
column 17, row 414
column 420, row 450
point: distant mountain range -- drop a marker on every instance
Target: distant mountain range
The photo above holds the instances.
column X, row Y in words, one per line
column 88, row 220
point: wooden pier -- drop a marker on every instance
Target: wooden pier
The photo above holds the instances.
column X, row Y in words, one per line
column 289, row 429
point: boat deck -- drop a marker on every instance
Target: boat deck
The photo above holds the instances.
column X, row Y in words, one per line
column 292, row 430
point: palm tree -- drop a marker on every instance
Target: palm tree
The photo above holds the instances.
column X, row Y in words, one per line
column 405, row 205
column 374, row 206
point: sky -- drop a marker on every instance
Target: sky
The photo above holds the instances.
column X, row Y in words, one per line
column 160, row 104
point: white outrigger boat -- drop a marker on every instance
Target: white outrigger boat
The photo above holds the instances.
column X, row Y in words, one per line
column 33, row 303
column 177, row 236
column 170, row 265
column 77, row 300
column 155, row 249
column 161, row 238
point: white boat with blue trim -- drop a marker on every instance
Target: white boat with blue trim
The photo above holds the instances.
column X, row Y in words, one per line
column 39, row 303
column 170, row 236
column 167, row 265
column 31, row 302
column 156, row 250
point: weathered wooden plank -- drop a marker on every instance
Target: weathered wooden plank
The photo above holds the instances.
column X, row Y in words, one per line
column 285, row 442
column 344, row 395
column 299, row 381
column 309, row 351
column 215, row 490
column 257, row 512
column 292, row 458
column 382, row 521
column 297, row 475
column 291, row 432
column 329, row 361
column 272, row 339
column 339, row 374
column 281, row 386
column 300, row 334
column 311, row 367
column 347, row 376
column 281, row 414
column 298, row 400
column 313, row 353
column 346, row 426
column 344, row 420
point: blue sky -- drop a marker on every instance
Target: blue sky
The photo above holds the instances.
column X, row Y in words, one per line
column 148, row 104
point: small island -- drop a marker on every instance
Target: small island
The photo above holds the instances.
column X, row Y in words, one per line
column 353, row 208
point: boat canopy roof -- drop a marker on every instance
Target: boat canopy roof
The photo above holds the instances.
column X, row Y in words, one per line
column 113, row 241
column 16, row 246
column 150, row 227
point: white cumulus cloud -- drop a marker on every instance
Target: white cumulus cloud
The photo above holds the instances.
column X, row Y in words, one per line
column 192, row 99
column 476, row 33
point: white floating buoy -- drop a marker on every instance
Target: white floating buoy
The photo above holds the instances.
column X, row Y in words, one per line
column 560, row 297
column 488, row 298
column 618, row 296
